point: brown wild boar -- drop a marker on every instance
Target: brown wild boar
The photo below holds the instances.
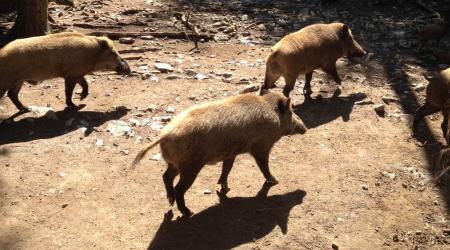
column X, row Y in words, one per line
column 69, row 55
column 442, row 57
column 435, row 31
column 315, row 46
column 219, row 131
column 437, row 99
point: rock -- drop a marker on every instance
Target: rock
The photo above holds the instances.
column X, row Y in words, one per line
column 334, row 246
column 365, row 187
column 166, row 118
column 125, row 152
column 164, row 67
column 446, row 231
column 173, row 77
column 44, row 112
column 419, row 87
column 388, row 99
column 221, row 37
column 99, row 142
column 418, row 232
column 380, row 109
column 146, row 76
column 126, row 40
column 64, row 205
column 244, row 17
column 395, row 238
column 170, row 110
column 389, row 175
column 118, row 128
column 249, row 88
column 156, row 157
column 207, row 191
column 200, row 77
column 244, row 81
column 148, row 38
column 227, row 75
column 261, row 27
column 190, row 72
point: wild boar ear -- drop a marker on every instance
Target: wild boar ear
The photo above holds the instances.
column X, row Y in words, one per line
column 103, row 44
column 284, row 105
column 344, row 31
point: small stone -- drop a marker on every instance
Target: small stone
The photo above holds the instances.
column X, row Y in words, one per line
column 418, row 232
column 173, row 77
column 99, row 142
column 126, row 40
column 419, row 87
column 118, row 128
column 436, row 202
column 170, row 110
column 395, row 238
column 249, row 88
column 44, row 112
column 146, row 76
column 380, row 109
column 404, row 185
column 207, row 191
column 156, row 157
column 244, row 17
column 148, row 38
column 164, row 67
column 389, row 175
column 125, row 152
column 200, row 77
column 446, row 231
column 334, row 246
column 64, row 205
column 365, row 187
column 261, row 27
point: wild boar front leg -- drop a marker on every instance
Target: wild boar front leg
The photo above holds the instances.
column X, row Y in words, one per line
column 226, row 168
column 331, row 70
column 262, row 160
column 307, row 88
column 289, row 83
column 69, row 86
column 168, row 177
column 13, row 94
column 421, row 112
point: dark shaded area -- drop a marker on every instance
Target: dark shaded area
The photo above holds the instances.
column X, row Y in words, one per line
column 233, row 222
column 316, row 112
column 29, row 129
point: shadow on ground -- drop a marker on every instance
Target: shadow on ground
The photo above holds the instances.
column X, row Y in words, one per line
column 233, row 222
column 29, row 129
column 316, row 112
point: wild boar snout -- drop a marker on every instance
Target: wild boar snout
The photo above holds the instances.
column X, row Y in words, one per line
column 123, row 68
column 357, row 50
column 299, row 126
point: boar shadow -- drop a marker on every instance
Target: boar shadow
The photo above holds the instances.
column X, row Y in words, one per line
column 29, row 129
column 316, row 112
column 231, row 223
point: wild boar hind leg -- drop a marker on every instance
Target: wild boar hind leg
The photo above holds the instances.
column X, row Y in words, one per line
column 331, row 70
column 85, row 88
column 187, row 178
column 223, row 180
column 13, row 94
column 307, row 88
column 168, row 177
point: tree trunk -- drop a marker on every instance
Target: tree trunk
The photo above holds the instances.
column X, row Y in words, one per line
column 32, row 19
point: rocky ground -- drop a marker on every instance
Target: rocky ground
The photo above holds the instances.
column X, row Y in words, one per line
column 355, row 180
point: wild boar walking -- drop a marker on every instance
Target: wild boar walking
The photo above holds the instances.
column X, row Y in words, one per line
column 315, row 46
column 219, row 131
column 69, row 55
column 437, row 99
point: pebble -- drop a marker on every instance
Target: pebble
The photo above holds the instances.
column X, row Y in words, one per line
column 173, row 77
column 156, row 157
column 99, row 142
column 395, row 238
column 148, row 38
column 118, row 128
column 200, row 77
column 126, row 40
column 164, row 67
column 207, row 191
column 389, row 175
column 44, row 112
column 365, row 187
column 380, row 109
column 170, row 110
column 334, row 246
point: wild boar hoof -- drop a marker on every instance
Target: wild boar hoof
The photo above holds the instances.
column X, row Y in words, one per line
column 24, row 110
column 337, row 92
column 186, row 212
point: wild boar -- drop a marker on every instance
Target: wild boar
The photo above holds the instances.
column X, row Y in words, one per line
column 435, row 31
column 442, row 57
column 315, row 46
column 437, row 99
column 219, row 131
column 69, row 55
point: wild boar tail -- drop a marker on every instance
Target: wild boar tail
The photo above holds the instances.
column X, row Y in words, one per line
column 143, row 152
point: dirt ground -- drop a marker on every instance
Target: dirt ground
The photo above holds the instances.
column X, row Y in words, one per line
column 355, row 180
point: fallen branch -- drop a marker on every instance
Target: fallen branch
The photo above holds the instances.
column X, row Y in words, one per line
column 94, row 26
column 138, row 50
column 172, row 35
